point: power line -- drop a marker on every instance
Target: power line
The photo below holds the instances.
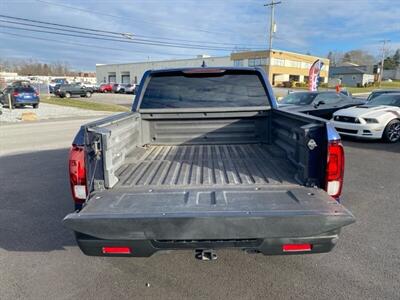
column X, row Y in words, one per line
column 152, row 23
column 119, row 17
column 108, row 34
column 91, row 47
column 120, row 40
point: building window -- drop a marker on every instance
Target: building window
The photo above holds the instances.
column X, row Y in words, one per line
column 238, row 63
column 135, row 79
column 277, row 62
column 292, row 64
column 254, row 62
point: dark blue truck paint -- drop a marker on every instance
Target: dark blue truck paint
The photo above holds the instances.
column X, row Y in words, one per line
column 146, row 217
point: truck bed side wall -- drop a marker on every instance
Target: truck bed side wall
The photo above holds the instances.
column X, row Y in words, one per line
column 304, row 140
column 290, row 132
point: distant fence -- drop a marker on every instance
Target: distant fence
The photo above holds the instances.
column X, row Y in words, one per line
column 41, row 88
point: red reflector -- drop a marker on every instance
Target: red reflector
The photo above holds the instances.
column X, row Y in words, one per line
column 116, row 250
column 296, row 247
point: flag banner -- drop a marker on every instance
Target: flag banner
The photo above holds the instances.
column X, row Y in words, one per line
column 313, row 75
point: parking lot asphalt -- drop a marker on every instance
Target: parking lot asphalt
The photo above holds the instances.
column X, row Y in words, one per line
column 40, row 260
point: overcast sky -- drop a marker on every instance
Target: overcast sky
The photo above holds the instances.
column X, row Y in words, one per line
column 315, row 26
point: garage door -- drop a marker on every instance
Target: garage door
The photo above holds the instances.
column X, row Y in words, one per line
column 112, row 78
column 126, row 79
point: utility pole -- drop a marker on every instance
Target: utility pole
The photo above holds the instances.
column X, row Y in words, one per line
column 272, row 26
column 383, row 59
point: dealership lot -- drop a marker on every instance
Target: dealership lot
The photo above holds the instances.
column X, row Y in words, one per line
column 40, row 259
column 46, row 111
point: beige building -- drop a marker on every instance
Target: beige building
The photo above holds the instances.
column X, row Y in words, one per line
column 281, row 66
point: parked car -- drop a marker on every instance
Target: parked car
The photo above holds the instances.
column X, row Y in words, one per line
column 116, row 88
column 21, row 83
column 69, row 90
column 346, row 93
column 21, row 95
column 378, row 119
column 127, row 88
column 105, row 88
column 205, row 160
column 89, row 85
column 56, row 81
column 319, row 104
column 376, row 93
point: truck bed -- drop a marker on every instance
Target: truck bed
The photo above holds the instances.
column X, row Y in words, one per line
column 205, row 165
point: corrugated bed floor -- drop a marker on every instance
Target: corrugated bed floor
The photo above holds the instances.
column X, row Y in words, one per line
column 207, row 165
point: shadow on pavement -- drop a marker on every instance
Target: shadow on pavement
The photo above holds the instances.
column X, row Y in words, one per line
column 377, row 145
column 35, row 197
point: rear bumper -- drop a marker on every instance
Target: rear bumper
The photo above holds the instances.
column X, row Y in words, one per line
column 144, row 248
column 26, row 101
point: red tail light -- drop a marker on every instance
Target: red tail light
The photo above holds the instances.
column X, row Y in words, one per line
column 335, row 169
column 296, row 247
column 77, row 173
column 15, row 94
column 116, row 250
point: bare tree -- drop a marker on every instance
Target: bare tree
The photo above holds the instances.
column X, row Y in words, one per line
column 33, row 67
column 359, row 57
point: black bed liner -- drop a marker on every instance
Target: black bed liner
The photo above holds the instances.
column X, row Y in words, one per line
column 203, row 165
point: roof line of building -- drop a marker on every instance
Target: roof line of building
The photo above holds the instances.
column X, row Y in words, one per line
column 166, row 60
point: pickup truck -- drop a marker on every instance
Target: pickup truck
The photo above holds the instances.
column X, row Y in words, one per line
column 205, row 160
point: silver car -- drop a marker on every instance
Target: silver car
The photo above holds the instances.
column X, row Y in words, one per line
column 127, row 88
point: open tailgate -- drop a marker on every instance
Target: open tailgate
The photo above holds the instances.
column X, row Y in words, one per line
column 209, row 214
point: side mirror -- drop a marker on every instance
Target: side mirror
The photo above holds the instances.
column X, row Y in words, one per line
column 321, row 102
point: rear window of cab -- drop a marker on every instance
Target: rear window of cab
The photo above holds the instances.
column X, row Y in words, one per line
column 183, row 89
column 25, row 90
